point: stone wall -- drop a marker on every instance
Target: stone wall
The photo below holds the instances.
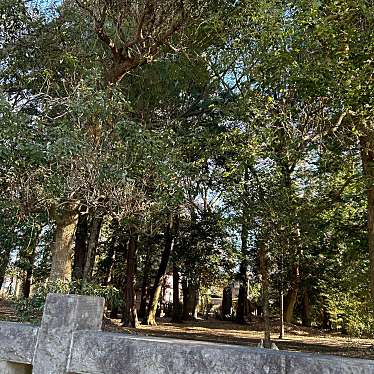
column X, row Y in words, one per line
column 69, row 340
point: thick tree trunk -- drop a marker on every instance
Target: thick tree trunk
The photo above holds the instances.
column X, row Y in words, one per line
column 155, row 293
column 130, row 317
column 227, row 303
column 326, row 322
column 264, row 271
column 177, row 307
column 66, row 224
column 93, row 239
column 190, row 300
column 367, row 156
column 80, row 248
column 306, row 309
column 291, row 297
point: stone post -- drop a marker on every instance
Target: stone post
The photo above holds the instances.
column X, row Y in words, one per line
column 63, row 315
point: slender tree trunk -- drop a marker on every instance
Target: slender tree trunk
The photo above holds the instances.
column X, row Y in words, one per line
column 243, row 288
column 177, row 309
column 4, row 262
column 93, row 239
column 145, row 283
column 291, row 297
column 29, row 258
column 155, row 293
column 281, row 332
column 130, row 317
column 367, row 156
column 80, row 248
column 227, row 303
column 185, row 291
column 264, row 271
column 196, row 302
column 243, row 279
column 107, row 263
column 66, row 224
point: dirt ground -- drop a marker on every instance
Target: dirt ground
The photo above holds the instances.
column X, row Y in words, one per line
column 297, row 338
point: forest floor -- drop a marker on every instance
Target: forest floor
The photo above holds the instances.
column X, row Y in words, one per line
column 297, row 338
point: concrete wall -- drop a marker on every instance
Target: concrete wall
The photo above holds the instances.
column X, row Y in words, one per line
column 70, row 341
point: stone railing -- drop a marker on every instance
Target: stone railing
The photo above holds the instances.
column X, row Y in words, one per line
column 69, row 340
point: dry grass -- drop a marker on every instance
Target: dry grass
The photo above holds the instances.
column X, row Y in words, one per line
column 297, row 338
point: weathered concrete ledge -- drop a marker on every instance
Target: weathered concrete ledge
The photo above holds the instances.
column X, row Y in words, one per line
column 70, row 341
column 111, row 353
column 17, row 342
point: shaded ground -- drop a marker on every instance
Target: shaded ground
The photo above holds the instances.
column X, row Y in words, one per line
column 7, row 313
column 297, row 338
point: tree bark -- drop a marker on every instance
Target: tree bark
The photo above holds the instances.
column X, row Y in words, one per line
column 243, row 288
column 107, row 264
column 66, row 224
column 281, row 327
column 177, row 308
column 264, row 271
column 306, row 309
column 155, row 293
column 367, row 157
column 243, row 279
column 130, row 317
column 4, row 262
column 227, row 303
column 30, row 257
column 291, row 297
column 145, row 283
column 190, row 300
column 93, row 239
column 80, row 248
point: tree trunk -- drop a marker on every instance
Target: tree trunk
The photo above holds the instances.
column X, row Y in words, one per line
column 243, row 279
column 281, row 327
column 93, row 239
column 145, row 283
column 243, row 288
column 196, row 302
column 177, row 309
column 107, row 264
column 130, row 317
column 80, row 248
column 190, row 300
column 29, row 258
column 155, row 293
column 367, row 156
column 227, row 303
column 66, row 224
column 306, row 309
column 4, row 262
column 264, row 271
column 291, row 297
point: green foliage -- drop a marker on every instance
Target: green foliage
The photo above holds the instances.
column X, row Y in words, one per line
column 351, row 314
column 31, row 309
